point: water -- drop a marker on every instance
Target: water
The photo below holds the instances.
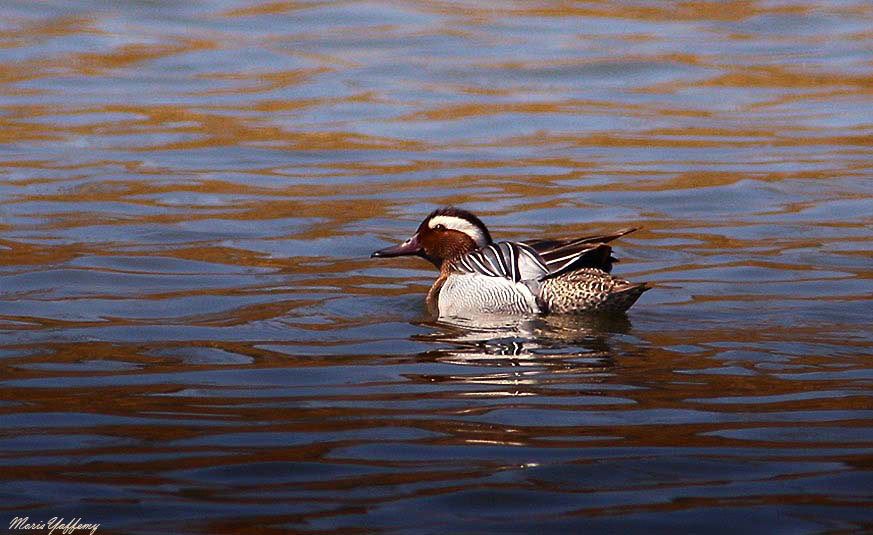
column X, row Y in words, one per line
column 194, row 340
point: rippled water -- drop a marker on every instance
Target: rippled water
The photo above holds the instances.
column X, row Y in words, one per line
column 193, row 340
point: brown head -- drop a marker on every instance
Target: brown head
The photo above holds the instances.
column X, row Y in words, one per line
column 444, row 235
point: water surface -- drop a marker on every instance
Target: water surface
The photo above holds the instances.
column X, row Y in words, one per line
column 194, row 340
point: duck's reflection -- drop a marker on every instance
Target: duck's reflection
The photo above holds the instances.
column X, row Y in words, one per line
column 529, row 353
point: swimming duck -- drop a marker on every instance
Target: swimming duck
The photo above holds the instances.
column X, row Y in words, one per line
column 478, row 276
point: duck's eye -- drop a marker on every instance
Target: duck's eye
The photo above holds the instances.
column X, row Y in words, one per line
column 440, row 227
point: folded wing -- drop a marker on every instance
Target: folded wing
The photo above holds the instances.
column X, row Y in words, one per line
column 541, row 259
column 564, row 256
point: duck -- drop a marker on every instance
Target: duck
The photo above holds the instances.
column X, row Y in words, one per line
column 478, row 276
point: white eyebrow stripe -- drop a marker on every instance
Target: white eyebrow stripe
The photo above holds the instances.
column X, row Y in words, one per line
column 461, row 225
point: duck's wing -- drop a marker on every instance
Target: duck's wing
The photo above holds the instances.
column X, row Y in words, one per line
column 514, row 261
column 545, row 247
column 563, row 256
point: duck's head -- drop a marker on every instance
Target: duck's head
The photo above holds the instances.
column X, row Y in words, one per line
column 444, row 235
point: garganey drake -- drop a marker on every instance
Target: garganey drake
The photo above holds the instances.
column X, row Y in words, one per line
column 479, row 276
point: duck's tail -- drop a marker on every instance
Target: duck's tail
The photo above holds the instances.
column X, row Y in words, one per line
column 623, row 297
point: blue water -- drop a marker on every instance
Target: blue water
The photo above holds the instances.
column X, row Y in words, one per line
column 193, row 338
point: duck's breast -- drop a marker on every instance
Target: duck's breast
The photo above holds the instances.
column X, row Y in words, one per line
column 470, row 294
